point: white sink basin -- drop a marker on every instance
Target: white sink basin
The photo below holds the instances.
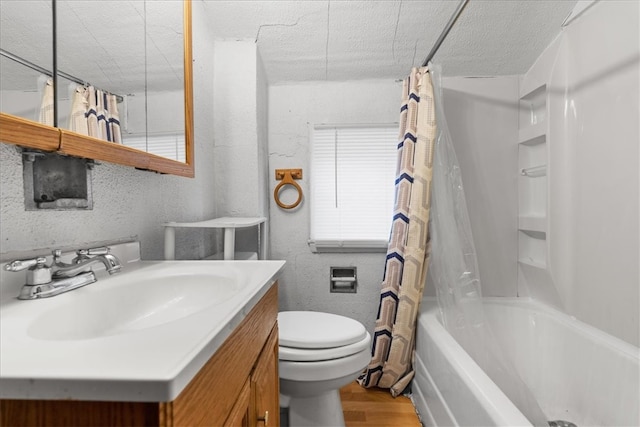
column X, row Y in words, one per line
column 145, row 302
column 139, row 335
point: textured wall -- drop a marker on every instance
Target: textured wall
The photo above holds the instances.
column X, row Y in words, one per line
column 262, row 111
column 128, row 203
column 240, row 111
column 235, row 127
column 293, row 109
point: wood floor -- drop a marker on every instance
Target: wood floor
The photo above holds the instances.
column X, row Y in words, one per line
column 376, row 407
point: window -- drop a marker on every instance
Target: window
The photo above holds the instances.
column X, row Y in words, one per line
column 171, row 146
column 352, row 187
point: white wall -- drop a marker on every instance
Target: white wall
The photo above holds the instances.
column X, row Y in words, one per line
column 240, row 126
column 262, row 110
column 482, row 116
column 293, row 108
column 128, row 203
column 240, row 102
column 21, row 103
column 594, row 169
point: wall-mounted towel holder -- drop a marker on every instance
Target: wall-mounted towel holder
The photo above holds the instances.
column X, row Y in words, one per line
column 287, row 177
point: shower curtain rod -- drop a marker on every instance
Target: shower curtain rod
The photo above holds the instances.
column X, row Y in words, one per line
column 446, row 30
column 46, row 72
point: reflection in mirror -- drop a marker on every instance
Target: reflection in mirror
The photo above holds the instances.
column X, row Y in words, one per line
column 129, row 75
column 26, row 59
column 165, row 79
column 27, row 28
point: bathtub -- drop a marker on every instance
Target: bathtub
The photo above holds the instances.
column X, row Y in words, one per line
column 577, row 373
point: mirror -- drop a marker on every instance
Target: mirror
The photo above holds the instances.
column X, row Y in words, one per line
column 23, row 79
column 134, row 87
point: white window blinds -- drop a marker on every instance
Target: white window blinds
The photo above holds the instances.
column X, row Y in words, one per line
column 171, row 146
column 352, row 186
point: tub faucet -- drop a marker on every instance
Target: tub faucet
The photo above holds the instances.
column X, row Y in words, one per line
column 59, row 277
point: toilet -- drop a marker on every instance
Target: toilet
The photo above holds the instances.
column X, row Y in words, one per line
column 319, row 353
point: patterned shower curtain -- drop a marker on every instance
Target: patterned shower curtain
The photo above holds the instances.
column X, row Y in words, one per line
column 407, row 259
column 103, row 120
column 114, row 119
column 79, row 105
column 94, row 112
column 46, row 105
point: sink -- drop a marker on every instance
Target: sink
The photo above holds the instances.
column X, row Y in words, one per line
column 140, row 335
column 139, row 301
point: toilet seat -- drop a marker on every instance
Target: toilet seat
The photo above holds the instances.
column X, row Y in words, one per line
column 317, row 330
column 319, row 354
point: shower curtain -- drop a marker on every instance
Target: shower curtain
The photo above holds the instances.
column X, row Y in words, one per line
column 102, row 116
column 77, row 118
column 114, row 119
column 92, row 113
column 46, row 105
column 454, row 270
column 407, row 259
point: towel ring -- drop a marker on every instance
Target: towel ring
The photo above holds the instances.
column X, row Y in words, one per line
column 287, row 177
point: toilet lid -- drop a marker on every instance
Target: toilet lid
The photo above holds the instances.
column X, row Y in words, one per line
column 316, row 330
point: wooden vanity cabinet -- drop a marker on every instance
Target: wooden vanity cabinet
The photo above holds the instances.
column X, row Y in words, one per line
column 265, row 393
column 238, row 386
column 258, row 402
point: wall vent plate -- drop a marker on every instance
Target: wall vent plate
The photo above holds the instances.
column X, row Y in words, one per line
column 52, row 181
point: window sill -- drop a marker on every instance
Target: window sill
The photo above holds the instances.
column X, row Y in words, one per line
column 338, row 246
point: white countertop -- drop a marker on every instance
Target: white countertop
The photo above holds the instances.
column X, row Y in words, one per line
column 149, row 364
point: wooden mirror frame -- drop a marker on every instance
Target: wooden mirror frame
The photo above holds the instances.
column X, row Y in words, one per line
column 29, row 134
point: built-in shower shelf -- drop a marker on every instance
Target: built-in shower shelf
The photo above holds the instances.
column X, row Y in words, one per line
column 533, row 134
column 534, row 277
column 532, row 263
column 533, row 91
column 537, row 223
column 534, row 171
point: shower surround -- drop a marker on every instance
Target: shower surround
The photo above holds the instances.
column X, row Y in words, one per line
column 573, row 333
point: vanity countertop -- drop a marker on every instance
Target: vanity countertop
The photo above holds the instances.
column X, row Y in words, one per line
column 49, row 352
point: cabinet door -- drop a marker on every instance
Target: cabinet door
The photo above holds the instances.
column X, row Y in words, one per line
column 265, row 386
column 239, row 415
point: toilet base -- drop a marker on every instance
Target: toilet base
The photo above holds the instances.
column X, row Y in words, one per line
column 320, row 410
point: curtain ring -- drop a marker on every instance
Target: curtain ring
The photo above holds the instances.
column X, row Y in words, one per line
column 287, row 177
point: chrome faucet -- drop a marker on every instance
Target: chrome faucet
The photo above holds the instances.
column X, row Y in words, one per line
column 58, row 277
column 83, row 262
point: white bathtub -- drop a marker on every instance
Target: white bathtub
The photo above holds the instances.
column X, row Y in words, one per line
column 577, row 373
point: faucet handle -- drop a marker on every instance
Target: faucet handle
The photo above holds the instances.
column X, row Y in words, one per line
column 23, row 264
column 85, row 254
column 39, row 272
column 102, row 250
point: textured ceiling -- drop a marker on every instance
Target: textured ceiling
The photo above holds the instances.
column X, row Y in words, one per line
column 298, row 40
column 360, row 39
